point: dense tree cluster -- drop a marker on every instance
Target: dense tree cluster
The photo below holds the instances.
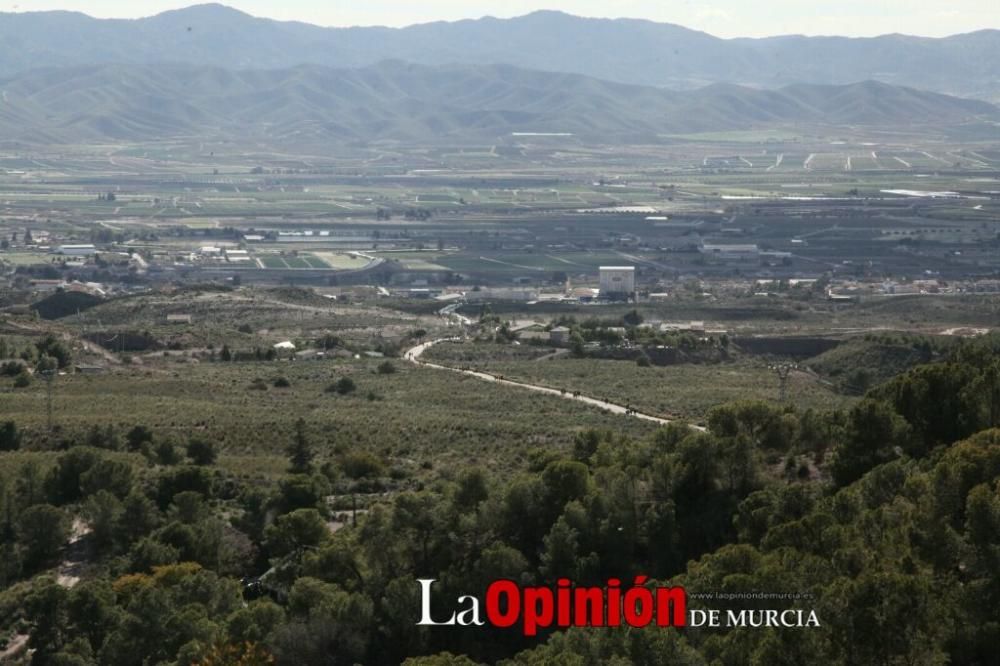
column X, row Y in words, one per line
column 887, row 515
column 629, row 329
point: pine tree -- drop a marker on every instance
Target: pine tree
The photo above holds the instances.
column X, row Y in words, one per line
column 300, row 453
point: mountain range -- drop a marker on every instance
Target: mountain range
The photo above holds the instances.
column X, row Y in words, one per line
column 402, row 101
column 622, row 50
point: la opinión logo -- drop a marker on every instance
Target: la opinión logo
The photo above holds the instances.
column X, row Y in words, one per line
column 538, row 607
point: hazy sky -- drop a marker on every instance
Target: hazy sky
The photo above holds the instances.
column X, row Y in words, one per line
column 725, row 18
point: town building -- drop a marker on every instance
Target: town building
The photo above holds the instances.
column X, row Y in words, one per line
column 617, row 281
column 559, row 335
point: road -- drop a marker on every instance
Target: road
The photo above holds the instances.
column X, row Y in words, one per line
column 68, row 573
column 413, row 355
column 67, row 576
column 15, row 646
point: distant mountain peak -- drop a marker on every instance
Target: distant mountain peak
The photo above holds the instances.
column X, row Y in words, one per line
column 631, row 51
column 213, row 11
column 211, row 8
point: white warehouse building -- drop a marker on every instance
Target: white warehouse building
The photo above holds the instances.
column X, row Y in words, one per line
column 617, row 280
column 75, row 250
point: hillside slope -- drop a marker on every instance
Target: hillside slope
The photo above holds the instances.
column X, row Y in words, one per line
column 401, row 101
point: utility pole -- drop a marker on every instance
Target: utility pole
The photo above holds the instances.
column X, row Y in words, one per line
column 49, row 374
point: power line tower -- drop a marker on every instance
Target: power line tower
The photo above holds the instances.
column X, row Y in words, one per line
column 49, row 374
column 783, row 371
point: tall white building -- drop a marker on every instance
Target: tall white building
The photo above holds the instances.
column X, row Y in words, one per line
column 617, row 281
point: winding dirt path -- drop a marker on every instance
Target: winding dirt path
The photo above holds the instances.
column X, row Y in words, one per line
column 413, row 355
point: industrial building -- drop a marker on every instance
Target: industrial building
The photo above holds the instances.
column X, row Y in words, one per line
column 75, row 250
column 735, row 251
column 236, row 256
column 617, row 281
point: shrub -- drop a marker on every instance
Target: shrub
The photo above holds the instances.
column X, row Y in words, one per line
column 361, row 464
column 11, row 369
column 386, row 368
column 23, row 379
column 282, row 382
column 10, row 437
column 164, row 453
column 201, row 452
column 343, row 386
column 138, row 438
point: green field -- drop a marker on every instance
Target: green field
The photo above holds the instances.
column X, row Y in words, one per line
column 24, row 258
column 339, row 261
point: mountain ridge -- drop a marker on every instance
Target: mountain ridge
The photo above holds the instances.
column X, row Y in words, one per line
column 403, row 101
column 624, row 50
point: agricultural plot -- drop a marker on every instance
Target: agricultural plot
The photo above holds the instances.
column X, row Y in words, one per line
column 866, row 161
column 981, row 157
column 741, row 136
column 24, row 258
column 338, row 260
column 826, row 162
column 438, row 199
column 565, row 262
column 788, row 160
column 741, row 161
column 415, row 261
column 302, row 261
column 921, row 159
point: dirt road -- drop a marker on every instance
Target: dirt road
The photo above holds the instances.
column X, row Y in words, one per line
column 413, row 355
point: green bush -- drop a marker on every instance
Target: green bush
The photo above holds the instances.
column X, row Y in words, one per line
column 10, row 437
column 361, row 465
column 343, row 386
column 201, row 452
